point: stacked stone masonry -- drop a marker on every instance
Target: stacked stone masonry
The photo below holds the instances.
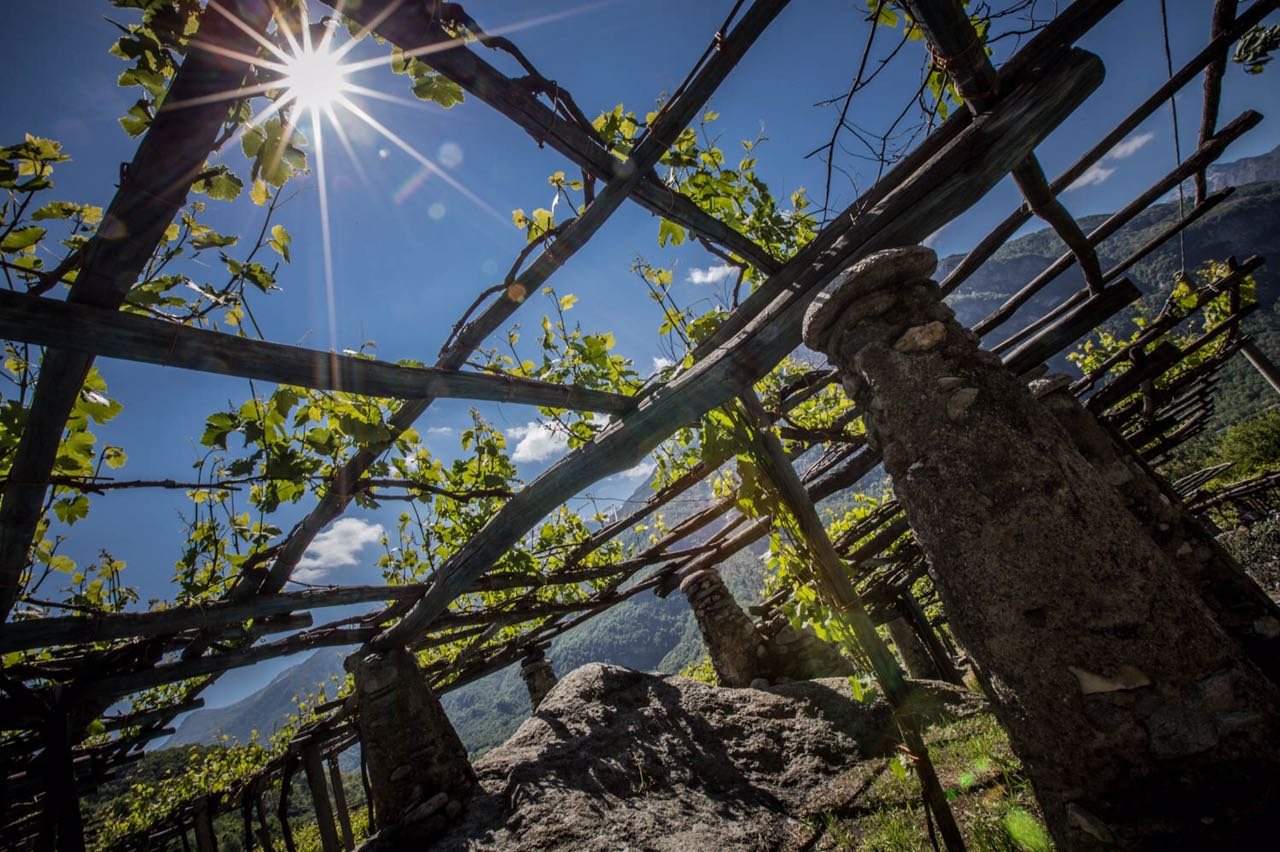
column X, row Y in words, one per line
column 1141, row 723
column 418, row 768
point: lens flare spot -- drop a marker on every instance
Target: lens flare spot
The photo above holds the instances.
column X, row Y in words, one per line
column 450, row 155
column 436, row 211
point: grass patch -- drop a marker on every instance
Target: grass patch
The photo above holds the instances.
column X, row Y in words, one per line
column 991, row 798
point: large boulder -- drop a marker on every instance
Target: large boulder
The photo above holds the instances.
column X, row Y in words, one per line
column 618, row 759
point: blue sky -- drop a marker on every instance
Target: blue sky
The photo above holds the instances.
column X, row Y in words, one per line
column 409, row 254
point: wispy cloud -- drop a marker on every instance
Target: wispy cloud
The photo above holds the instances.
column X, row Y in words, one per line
column 932, row 240
column 537, row 442
column 443, row 431
column 337, row 547
column 1096, row 174
column 660, row 363
column 1131, row 146
column 710, row 275
column 1099, row 172
column 640, row 471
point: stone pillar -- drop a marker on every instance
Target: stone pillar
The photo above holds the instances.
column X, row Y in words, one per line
column 732, row 639
column 1140, row 723
column 538, row 676
column 418, row 767
column 792, row 654
column 916, row 661
column 1239, row 605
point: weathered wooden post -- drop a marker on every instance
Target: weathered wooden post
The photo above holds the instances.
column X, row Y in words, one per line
column 418, row 767
column 206, row 840
column 1238, row 604
column 916, row 661
column 340, row 803
column 732, row 640
column 1139, row 722
column 539, row 678
column 62, row 801
column 935, row 641
column 313, row 765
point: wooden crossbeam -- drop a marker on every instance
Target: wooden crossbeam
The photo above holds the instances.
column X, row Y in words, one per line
column 115, row 334
column 955, row 42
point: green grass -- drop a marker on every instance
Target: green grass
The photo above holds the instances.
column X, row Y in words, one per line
column 990, row 797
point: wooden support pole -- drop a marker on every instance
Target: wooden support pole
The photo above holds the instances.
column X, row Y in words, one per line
column 264, row 821
column 1264, row 365
column 202, row 823
column 340, row 803
column 115, row 334
column 246, row 819
column 929, row 634
column 62, row 799
column 843, row 598
column 282, row 806
column 313, row 765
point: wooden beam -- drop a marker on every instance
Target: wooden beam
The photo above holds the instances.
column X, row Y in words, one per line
column 411, row 27
column 1264, row 365
column 115, row 334
column 955, row 42
column 836, row 587
column 976, row 160
column 1204, row 155
column 991, row 243
column 1075, row 324
column 340, row 803
column 325, row 823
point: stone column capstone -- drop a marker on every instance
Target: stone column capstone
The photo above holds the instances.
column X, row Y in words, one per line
column 538, row 676
column 418, row 767
column 1139, row 721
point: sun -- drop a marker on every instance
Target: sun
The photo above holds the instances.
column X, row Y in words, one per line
column 315, row 78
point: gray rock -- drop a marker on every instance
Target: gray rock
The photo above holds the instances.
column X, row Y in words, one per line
column 617, row 759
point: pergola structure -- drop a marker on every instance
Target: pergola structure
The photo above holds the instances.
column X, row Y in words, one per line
column 48, row 704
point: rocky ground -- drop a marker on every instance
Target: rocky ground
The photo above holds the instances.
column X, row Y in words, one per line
column 617, row 759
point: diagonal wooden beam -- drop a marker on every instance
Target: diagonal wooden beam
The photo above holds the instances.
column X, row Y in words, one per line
column 410, row 27
column 959, row 51
column 114, row 334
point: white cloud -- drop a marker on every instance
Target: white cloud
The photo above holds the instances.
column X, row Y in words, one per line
column 1096, row 174
column 538, row 442
column 441, row 430
column 640, row 471
column 1099, row 172
column 932, row 240
column 1131, row 146
column 660, row 363
column 711, row 275
column 337, row 547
